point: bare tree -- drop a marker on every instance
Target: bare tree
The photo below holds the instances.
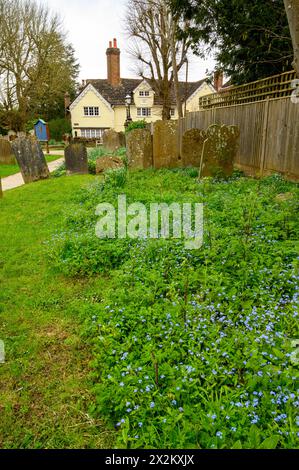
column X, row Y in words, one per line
column 292, row 10
column 36, row 63
column 157, row 49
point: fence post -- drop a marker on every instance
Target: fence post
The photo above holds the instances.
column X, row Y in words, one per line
column 264, row 136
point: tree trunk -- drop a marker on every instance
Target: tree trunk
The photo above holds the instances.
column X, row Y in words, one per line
column 292, row 10
column 175, row 73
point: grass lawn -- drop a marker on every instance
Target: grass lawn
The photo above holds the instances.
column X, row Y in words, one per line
column 8, row 170
column 44, row 391
column 143, row 343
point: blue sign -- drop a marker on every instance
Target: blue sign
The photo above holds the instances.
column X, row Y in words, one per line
column 41, row 131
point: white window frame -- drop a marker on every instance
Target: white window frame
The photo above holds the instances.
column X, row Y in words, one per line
column 91, row 111
column 144, row 112
column 144, row 93
column 172, row 112
column 92, row 133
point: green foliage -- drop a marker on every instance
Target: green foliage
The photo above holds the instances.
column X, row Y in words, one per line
column 58, row 127
column 251, row 38
column 136, row 125
column 40, row 325
column 190, row 348
column 116, row 178
column 42, row 67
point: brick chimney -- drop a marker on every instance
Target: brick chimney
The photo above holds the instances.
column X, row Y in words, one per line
column 113, row 64
column 218, row 80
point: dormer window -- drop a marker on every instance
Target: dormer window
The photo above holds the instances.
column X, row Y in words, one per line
column 91, row 111
column 144, row 93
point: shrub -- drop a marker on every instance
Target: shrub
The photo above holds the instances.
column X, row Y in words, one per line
column 58, row 127
column 116, row 178
column 136, row 125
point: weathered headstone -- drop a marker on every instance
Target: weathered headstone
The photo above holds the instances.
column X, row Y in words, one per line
column 112, row 140
column 31, row 159
column 165, row 144
column 220, row 150
column 140, row 149
column 6, row 154
column 108, row 162
column 76, row 159
column 192, row 145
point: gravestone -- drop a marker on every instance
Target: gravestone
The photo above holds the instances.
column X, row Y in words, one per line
column 108, row 162
column 76, row 159
column 31, row 159
column 220, row 150
column 165, row 145
column 192, row 145
column 112, row 140
column 140, row 149
column 6, row 154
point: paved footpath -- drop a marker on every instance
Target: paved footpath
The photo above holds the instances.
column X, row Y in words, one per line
column 14, row 181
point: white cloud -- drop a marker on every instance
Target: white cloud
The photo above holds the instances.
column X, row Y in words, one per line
column 91, row 24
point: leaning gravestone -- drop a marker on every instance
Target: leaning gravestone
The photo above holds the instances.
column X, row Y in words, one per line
column 112, row 140
column 31, row 159
column 108, row 162
column 139, row 149
column 220, row 150
column 192, row 145
column 76, row 159
column 165, row 144
column 6, row 153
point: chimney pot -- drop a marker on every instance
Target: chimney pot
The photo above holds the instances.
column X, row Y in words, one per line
column 110, row 44
column 115, row 43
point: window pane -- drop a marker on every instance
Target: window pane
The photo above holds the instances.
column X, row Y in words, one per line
column 85, row 111
column 138, row 111
column 96, row 111
column 90, row 111
column 146, row 93
column 141, row 93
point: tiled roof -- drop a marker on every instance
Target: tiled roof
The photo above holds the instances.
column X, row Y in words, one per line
column 116, row 95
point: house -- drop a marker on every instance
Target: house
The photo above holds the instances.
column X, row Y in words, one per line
column 100, row 105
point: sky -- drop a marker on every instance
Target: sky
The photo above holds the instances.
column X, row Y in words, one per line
column 91, row 24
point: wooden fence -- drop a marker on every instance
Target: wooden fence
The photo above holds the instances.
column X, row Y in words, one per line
column 269, row 134
column 276, row 86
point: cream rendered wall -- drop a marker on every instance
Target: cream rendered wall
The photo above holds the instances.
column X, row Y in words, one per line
column 192, row 102
column 105, row 119
column 120, row 114
column 144, row 101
